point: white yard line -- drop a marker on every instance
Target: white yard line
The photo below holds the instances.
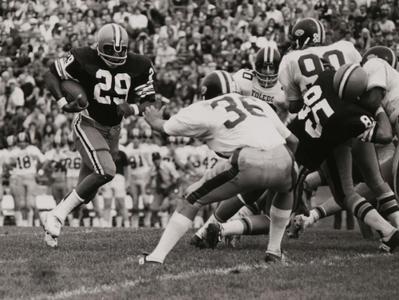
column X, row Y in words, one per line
column 97, row 290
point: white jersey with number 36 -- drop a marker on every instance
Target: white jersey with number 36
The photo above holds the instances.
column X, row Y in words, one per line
column 299, row 68
column 229, row 122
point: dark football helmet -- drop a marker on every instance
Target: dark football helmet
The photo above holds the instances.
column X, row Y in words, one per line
column 112, row 44
column 382, row 52
column 308, row 32
column 350, row 82
column 217, row 83
column 267, row 61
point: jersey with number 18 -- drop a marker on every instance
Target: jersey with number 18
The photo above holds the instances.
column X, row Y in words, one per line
column 229, row 122
column 299, row 69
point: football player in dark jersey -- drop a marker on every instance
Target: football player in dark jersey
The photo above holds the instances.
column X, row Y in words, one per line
column 118, row 83
column 332, row 116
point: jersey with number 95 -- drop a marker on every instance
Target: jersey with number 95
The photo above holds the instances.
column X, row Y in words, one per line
column 107, row 87
column 325, row 121
column 299, row 69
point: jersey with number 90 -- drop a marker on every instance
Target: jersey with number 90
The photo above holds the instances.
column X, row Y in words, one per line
column 325, row 121
column 107, row 87
column 229, row 122
column 299, row 69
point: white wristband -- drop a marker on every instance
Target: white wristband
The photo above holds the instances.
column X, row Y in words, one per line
column 136, row 110
column 62, row 102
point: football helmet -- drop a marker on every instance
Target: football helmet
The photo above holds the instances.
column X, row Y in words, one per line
column 217, row 83
column 382, row 52
column 112, row 44
column 350, row 82
column 308, row 32
column 267, row 60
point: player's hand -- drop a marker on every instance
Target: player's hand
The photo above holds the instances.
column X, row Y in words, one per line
column 154, row 115
column 76, row 106
column 125, row 109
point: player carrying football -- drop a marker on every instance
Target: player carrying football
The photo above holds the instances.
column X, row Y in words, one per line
column 118, row 83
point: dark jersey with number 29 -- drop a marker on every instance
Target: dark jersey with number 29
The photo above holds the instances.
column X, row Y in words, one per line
column 107, row 87
column 325, row 122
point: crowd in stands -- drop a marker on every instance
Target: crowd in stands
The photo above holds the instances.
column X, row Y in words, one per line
column 186, row 39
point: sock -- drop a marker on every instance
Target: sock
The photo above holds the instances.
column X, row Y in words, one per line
column 259, row 224
column 228, row 208
column 119, row 221
column 178, row 225
column 365, row 212
column 201, row 233
column 316, row 214
column 126, row 224
column 232, row 227
column 388, row 208
column 66, row 206
column 279, row 219
column 18, row 218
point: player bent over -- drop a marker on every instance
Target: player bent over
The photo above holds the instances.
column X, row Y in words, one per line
column 259, row 150
column 380, row 64
column 325, row 126
column 113, row 78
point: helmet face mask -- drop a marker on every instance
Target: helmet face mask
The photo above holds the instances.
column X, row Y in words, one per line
column 112, row 44
column 267, row 75
column 267, row 61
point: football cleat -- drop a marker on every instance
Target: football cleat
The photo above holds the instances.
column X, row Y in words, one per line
column 52, row 229
column 213, row 235
column 274, row 258
column 144, row 260
column 390, row 245
column 198, row 242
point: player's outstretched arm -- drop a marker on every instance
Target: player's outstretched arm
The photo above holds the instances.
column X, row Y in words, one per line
column 383, row 131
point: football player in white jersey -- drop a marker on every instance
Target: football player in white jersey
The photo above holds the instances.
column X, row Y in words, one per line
column 262, row 82
column 26, row 159
column 139, row 172
column 56, row 160
column 259, row 150
column 380, row 65
column 299, row 68
column 3, row 159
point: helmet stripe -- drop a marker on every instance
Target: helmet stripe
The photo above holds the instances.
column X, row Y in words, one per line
column 271, row 54
column 117, row 32
column 226, row 78
column 345, row 78
column 222, row 82
column 265, row 54
column 318, row 28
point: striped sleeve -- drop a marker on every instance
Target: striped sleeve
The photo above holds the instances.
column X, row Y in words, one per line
column 146, row 89
column 66, row 66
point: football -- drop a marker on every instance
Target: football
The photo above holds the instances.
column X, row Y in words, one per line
column 71, row 90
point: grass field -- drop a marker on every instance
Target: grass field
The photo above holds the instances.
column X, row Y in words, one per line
column 102, row 264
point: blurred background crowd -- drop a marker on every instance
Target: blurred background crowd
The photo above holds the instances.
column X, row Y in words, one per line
column 186, row 39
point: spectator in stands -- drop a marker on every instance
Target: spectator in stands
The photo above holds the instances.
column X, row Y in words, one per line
column 386, row 25
column 165, row 53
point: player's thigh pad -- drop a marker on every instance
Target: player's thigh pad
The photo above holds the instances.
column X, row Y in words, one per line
column 91, row 143
column 274, row 168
